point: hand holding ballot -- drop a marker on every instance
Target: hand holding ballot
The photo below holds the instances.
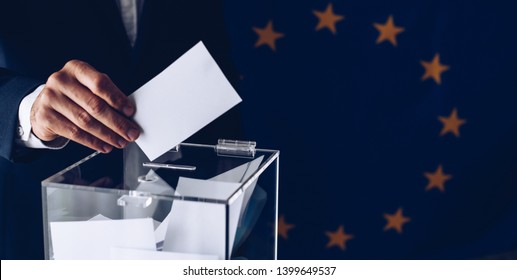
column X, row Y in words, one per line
column 85, row 106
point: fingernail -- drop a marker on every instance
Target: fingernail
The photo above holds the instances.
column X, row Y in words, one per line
column 128, row 111
column 107, row 148
column 122, row 143
column 133, row 134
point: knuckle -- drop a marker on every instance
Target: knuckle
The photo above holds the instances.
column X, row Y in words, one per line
column 75, row 64
column 111, row 137
column 46, row 97
column 101, row 82
column 72, row 63
column 79, row 68
column 55, row 78
column 115, row 102
column 43, row 119
column 84, row 119
column 94, row 142
column 74, row 132
column 42, row 126
column 95, row 105
column 121, row 124
column 44, row 115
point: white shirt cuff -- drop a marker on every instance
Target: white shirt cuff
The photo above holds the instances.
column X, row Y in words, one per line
column 25, row 136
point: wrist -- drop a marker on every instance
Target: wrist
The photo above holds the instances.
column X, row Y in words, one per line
column 24, row 114
column 26, row 137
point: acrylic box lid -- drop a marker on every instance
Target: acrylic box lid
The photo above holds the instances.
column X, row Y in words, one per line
column 212, row 173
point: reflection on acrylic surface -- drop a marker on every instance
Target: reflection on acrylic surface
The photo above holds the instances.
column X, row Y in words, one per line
column 176, row 229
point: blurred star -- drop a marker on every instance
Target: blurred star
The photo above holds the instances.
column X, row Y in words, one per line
column 338, row 238
column 452, row 123
column 283, row 227
column 434, row 69
column 437, row 179
column 327, row 19
column 388, row 31
column 396, row 221
column 267, row 36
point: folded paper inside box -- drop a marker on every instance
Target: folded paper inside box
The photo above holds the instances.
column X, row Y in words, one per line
column 190, row 230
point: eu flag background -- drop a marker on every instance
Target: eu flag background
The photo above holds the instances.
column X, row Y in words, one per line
column 396, row 122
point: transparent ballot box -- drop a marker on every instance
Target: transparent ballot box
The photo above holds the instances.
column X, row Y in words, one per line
column 194, row 202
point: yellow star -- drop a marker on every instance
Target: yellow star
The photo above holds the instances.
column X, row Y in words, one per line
column 267, row 36
column 327, row 19
column 437, row 179
column 434, row 69
column 396, row 221
column 283, row 227
column 452, row 123
column 388, row 31
column 338, row 238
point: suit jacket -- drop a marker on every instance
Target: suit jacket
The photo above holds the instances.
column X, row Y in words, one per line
column 38, row 37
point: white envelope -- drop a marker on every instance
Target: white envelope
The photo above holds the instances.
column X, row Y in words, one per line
column 92, row 240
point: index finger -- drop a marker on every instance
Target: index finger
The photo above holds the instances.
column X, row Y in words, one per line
column 101, row 85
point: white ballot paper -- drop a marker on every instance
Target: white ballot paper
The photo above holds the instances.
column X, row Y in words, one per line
column 99, row 217
column 161, row 229
column 240, row 174
column 89, row 240
column 199, row 227
column 182, row 99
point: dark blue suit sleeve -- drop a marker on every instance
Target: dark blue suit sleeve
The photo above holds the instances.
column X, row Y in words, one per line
column 12, row 90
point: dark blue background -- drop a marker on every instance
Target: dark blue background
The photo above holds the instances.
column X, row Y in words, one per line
column 357, row 127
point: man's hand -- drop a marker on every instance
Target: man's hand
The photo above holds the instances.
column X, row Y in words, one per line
column 84, row 105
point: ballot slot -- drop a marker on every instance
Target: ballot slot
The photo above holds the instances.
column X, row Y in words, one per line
column 224, row 147
column 169, row 166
